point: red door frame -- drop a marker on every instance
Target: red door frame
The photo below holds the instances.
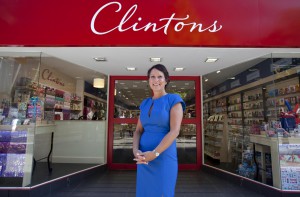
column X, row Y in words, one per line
column 111, row 121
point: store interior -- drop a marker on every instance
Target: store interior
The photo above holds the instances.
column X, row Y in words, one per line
column 54, row 118
column 250, row 121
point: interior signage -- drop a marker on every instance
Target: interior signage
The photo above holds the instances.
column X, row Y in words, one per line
column 47, row 75
column 235, row 83
column 163, row 24
column 222, row 88
column 252, row 76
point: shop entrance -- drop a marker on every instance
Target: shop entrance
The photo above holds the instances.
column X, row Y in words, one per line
column 126, row 94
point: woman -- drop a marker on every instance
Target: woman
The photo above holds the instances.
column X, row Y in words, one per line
column 154, row 140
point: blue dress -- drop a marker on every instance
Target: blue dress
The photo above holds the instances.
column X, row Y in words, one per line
column 158, row 178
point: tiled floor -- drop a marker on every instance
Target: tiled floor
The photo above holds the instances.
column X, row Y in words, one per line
column 41, row 174
column 122, row 184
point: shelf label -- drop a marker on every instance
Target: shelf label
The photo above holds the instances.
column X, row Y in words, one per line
column 235, row 83
column 253, row 75
column 222, row 88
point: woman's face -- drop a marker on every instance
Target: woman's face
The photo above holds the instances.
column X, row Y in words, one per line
column 157, row 80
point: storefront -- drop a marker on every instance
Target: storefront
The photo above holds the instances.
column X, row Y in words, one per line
column 242, row 119
column 251, row 122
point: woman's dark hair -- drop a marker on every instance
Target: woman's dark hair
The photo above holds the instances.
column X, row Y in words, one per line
column 162, row 69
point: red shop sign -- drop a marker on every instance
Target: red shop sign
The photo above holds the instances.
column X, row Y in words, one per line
column 231, row 23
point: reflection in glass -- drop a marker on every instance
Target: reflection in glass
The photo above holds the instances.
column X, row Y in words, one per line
column 130, row 93
column 186, row 144
column 128, row 96
column 122, row 144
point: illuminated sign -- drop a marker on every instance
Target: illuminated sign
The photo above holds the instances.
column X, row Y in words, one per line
column 162, row 24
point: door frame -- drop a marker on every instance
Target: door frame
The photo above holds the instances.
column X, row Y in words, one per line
column 111, row 121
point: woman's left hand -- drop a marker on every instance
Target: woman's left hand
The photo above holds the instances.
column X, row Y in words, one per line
column 145, row 157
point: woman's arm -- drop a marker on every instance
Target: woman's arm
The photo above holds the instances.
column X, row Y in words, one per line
column 136, row 140
column 176, row 116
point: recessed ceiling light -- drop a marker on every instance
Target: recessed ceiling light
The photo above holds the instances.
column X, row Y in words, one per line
column 155, row 59
column 100, row 59
column 211, row 59
column 218, row 71
column 178, row 69
column 206, row 80
column 232, row 78
column 130, row 68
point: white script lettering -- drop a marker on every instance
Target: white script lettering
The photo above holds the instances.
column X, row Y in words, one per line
column 152, row 26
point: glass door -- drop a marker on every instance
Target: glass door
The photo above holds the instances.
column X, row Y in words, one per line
column 126, row 94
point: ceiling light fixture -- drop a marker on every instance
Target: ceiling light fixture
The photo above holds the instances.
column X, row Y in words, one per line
column 206, row 80
column 130, row 68
column 100, row 59
column 98, row 83
column 232, row 78
column 211, row 59
column 178, row 69
column 218, row 71
column 155, row 59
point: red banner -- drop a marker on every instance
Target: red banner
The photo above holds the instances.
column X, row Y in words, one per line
column 215, row 23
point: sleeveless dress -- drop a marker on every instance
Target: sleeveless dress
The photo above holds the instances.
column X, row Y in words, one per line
column 158, row 178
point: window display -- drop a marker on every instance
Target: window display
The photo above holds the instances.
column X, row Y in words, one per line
column 33, row 97
column 263, row 120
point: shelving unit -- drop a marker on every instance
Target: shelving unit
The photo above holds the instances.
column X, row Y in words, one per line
column 76, row 106
column 190, row 111
column 253, row 113
column 206, row 112
column 235, row 121
column 250, row 107
column 93, row 101
column 216, row 136
column 277, row 94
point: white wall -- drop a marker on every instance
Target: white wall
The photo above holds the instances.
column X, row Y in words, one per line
column 80, row 142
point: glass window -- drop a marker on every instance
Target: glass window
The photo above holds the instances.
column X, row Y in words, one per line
column 250, row 117
column 128, row 96
column 37, row 91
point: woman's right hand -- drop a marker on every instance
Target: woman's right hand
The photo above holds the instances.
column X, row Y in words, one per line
column 139, row 157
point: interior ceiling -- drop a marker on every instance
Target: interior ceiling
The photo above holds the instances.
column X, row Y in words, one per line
column 79, row 62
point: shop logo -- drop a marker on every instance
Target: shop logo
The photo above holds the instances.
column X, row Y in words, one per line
column 47, row 75
column 164, row 23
